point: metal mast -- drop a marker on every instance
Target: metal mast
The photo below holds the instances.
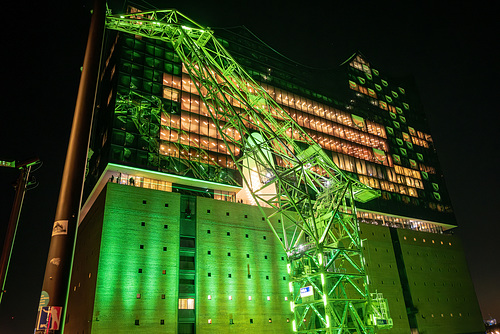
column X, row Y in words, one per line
column 285, row 169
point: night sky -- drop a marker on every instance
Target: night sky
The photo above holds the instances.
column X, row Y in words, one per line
column 449, row 49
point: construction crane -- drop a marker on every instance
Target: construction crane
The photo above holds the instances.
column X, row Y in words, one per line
column 282, row 168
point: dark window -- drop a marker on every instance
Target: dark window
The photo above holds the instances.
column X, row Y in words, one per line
column 229, row 275
column 249, row 276
column 267, row 277
column 263, row 218
column 141, row 246
column 228, row 254
column 143, row 223
column 186, row 262
column 264, row 237
column 143, row 202
column 282, row 258
column 164, row 249
column 162, row 296
column 165, row 226
column 248, row 256
column 231, row 322
column 187, row 242
column 246, row 235
column 246, row 216
column 166, row 205
column 209, row 252
column 284, row 278
column 137, row 322
column 208, row 211
column 251, row 321
column 227, row 213
column 209, row 274
column 162, row 322
column 208, row 231
column 265, row 257
column 140, row 271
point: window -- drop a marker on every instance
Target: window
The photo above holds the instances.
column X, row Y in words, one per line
column 246, row 216
column 141, row 246
column 137, row 322
column 227, row 213
column 248, row 256
column 246, row 235
column 229, row 275
column 164, row 272
column 209, row 252
column 143, row 223
column 209, row 297
column 186, row 303
column 138, row 296
column 267, row 277
column 228, row 233
column 231, row 322
column 268, row 297
column 209, row 274
column 140, row 271
column 209, row 321
column 208, row 231
column 264, row 237
column 164, row 249
column 270, row 320
column 144, row 202
column 166, row 205
column 265, row 257
column 165, row 226
column 208, row 211
column 162, row 322
column 251, row 321
column 162, row 296
column 228, row 254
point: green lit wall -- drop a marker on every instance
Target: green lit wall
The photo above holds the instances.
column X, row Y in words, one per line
column 382, row 269
column 117, row 306
column 233, row 240
column 440, row 284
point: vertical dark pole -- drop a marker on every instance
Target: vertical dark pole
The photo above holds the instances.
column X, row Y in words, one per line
column 59, row 261
column 12, row 227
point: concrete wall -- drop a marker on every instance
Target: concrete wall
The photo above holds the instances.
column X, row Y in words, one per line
column 240, row 244
column 117, row 306
column 232, row 239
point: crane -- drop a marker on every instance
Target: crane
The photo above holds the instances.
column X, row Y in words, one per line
column 282, row 168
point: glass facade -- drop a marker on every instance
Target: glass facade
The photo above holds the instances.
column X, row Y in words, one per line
column 151, row 116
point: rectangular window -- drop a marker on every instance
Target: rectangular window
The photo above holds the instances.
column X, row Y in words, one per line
column 186, row 303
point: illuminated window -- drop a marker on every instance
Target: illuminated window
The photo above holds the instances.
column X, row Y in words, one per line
column 270, row 320
column 249, row 297
column 209, row 297
column 164, row 272
column 162, row 296
column 268, row 297
column 286, row 298
column 186, row 303
column 138, row 296
column 209, row 321
column 230, row 297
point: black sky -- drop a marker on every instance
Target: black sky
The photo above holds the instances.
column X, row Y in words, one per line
column 449, row 49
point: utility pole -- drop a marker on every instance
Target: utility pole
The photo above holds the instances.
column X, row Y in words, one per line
column 53, row 299
column 15, row 213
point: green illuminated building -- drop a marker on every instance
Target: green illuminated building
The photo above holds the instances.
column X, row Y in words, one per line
column 169, row 240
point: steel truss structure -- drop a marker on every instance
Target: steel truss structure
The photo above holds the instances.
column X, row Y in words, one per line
column 285, row 169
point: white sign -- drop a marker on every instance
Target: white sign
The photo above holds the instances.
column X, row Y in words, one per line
column 60, row 227
column 306, row 291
